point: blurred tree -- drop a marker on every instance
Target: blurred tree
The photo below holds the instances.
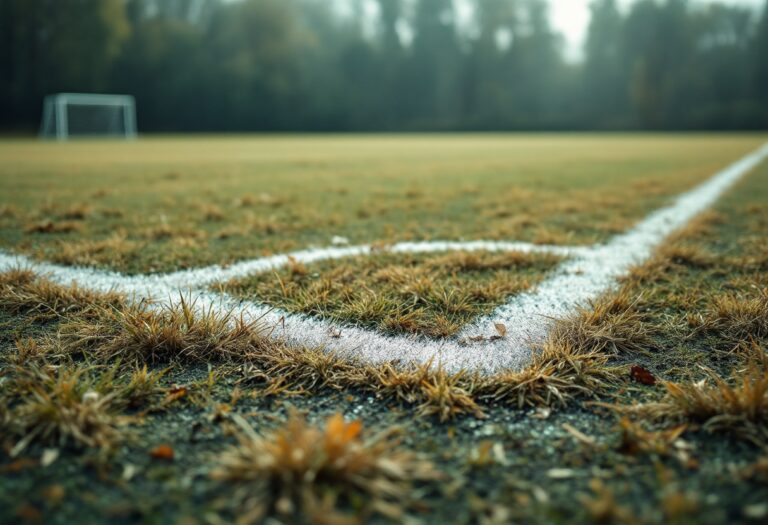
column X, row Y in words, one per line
column 304, row 64
column 605, row 87
column 430, row 78
column 51, row 46
column 760, row 63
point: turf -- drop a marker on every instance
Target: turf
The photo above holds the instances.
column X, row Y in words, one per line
column 163, row 204
column 648, row 407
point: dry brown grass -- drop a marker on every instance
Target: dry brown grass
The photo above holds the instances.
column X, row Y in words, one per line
column 602, row 506
column 637, row 440
column 613, row 325
column 50, row 226
column 736, row 318
column 112, row 250
column 558, row 373
column 738, row 405
column 299, row 470
column 60, row 407
column 178, row 332
column 24, row 293
column 104, row 329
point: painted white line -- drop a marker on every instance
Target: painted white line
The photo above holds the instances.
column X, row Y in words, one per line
column 589, row 273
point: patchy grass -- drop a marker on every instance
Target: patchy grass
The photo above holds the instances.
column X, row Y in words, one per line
column 243, row 197
column 416, row 294
column 532, row 446
column 298, row 471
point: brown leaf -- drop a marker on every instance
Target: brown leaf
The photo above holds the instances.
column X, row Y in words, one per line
column 164, row 452
column 501, row 329
column 176, row 393
column 642, row 375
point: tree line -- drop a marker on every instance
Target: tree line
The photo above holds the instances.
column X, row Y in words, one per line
column 253, row 65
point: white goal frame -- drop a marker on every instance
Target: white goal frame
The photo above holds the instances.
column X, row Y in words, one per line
column 55, row 123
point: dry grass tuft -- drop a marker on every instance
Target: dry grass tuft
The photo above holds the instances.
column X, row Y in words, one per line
column 63, row 407
column 602, row 506
column 614, row 325
column 637, row 440
column 299, row 469
column 739, row 405
column 179, row 332
column 557, row 373
column 436, row 392
column 112, row 250
column 736, row 318
column 77, row 212
column 23, row 292
column 49, row 226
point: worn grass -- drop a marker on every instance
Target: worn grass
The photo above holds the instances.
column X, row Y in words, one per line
column 167, row 203
column 532, row 446
column 432, row 295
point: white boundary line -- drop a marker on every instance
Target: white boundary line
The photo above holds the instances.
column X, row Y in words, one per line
column 590, row 272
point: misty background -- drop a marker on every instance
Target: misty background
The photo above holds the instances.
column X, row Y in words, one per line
column 365, row 65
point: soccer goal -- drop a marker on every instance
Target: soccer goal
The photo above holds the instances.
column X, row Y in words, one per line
column 67, row 115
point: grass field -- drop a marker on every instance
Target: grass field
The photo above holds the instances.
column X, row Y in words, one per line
column 649, row 406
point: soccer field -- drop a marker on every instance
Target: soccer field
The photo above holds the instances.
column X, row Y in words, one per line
column 564, row 314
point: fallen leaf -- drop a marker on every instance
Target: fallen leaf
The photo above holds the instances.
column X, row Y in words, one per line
column 164, row 452
column 176, row 393
column 642, row 375
column 501, row 329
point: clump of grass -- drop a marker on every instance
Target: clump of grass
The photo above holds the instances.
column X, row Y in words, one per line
column 299, row 469
column 613, row 325
column 77, row 212
column 59, row 407
column 637, row 440
column 736, row 318
column 112, row 250
column 49, row 226
column 738, row 405
column 602, row 506
column 435, row 391
column 178, row 332
column 558, row 373
column 23, row 292
column 212, row 213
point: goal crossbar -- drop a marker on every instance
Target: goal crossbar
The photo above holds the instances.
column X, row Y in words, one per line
column 56, row 123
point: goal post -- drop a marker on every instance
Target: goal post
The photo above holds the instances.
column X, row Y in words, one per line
column 67, row 115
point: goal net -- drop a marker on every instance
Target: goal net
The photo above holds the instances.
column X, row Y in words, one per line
column 68, row 115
